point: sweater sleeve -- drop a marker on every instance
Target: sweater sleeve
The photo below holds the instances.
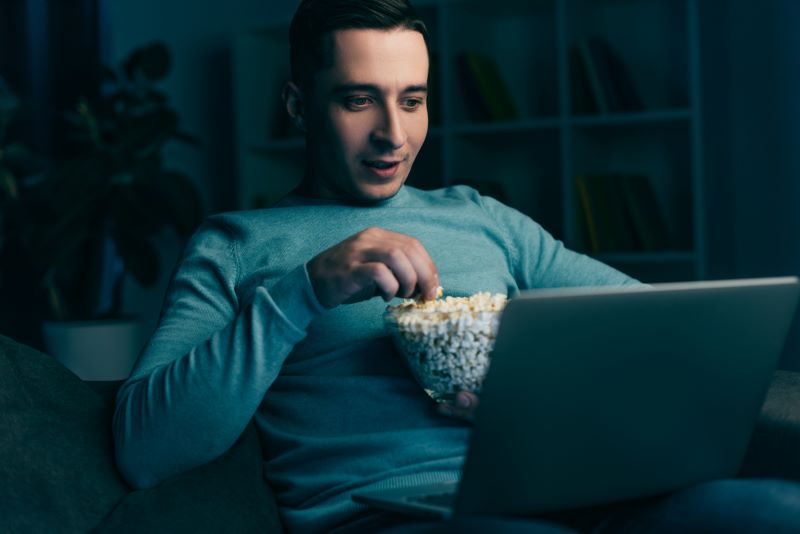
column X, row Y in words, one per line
column 538, row 260
column 209, row 363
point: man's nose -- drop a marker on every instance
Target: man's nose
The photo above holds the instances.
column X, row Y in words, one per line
column 390, row 129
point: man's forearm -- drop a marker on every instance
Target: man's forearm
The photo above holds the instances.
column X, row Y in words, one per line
column 186, row 412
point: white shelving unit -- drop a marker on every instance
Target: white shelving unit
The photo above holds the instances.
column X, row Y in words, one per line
column 535, row 158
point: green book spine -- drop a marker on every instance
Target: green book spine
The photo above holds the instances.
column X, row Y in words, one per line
column 582, row 99
column 476, row 105
column 587, row 213
column 593, row 75
column 492, row 87
column 645, row 213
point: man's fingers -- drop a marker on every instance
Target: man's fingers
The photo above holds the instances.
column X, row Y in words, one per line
column 466, row 400
column 426, row 278
column 462, row 406
column 378, row 276
column 374, row 261
column 400, row 265
column 427, row 275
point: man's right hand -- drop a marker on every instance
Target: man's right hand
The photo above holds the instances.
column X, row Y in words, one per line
column 462, row 407
column 370, row 263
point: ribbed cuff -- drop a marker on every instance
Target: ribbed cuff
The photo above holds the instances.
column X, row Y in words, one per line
column 294, row 296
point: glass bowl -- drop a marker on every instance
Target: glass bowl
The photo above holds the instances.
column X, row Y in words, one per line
column 447, row 351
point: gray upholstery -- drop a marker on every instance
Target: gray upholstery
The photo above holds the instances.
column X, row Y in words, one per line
column 57, row 470
column 775, row 447
column 227, row 495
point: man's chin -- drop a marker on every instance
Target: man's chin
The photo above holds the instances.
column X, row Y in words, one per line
column 371, row 193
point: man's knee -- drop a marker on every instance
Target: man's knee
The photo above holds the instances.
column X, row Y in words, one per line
column 740, row 505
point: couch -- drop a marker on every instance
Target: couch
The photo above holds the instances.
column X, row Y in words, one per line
column 57, row 470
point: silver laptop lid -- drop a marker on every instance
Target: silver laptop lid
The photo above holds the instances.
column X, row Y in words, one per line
column 626, row 392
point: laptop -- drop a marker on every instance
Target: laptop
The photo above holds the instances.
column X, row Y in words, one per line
column 596, row 395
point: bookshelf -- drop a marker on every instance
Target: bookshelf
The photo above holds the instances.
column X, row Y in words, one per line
column 532, row 160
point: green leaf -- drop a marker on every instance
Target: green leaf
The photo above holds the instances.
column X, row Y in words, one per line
column 133, row 213
column 179, row 202
column 21, row 160
column 105, row 74
column 138, row 134
column 155, row 62
column 150, row 63
column 79, row 181
column 59, row 244
column 158, row 97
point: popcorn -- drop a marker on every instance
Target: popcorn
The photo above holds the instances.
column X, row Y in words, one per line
column 447, row 341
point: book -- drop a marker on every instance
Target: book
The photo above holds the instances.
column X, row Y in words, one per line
column 593, row 76
column 624, row 96
column 475, row 105
column 604, row 212
column 588, row 215
column 649, row 225
column 620, row 227
column 599, row 61
column 581, row 97
column 609, row 80
column 486, row 91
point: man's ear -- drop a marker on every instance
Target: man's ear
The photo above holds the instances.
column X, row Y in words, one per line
column 293, row 100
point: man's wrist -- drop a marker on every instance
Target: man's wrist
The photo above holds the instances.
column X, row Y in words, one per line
column 295, row 298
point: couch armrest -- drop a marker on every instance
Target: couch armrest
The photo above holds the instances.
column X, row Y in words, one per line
column 775, row 446
column 229, row 494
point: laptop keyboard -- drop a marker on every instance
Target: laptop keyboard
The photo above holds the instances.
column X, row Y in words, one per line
column 435, row 499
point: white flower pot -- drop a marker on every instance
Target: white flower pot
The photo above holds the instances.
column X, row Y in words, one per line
column 95, row 350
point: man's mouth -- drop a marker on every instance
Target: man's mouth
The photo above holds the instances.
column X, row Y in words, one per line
column 382, row 168
column 381, row 164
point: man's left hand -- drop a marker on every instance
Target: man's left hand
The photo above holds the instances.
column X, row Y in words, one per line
column 462, row 407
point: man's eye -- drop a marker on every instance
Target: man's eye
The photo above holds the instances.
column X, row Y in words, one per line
column 358, row 101
column 413, row 103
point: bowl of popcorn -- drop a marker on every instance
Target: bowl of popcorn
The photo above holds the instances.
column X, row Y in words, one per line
column 447, row 342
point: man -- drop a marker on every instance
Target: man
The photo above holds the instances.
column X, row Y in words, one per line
column 273, row 314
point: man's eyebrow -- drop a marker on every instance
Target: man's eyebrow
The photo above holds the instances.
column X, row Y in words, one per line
column 371, row 88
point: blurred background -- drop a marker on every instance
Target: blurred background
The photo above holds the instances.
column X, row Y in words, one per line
column 656, row 135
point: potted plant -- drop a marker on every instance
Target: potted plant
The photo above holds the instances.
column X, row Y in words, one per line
column 98, row 211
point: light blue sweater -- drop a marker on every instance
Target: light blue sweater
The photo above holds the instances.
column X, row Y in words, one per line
column 243, row 336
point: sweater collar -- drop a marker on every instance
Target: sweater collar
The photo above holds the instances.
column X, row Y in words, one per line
column 297, row 199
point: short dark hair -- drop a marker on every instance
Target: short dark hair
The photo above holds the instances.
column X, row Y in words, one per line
column 315, row 20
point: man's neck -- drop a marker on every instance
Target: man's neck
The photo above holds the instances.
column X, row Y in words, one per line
column 309, row 188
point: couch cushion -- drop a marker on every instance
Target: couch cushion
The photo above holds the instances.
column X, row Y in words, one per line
column 58, row 474
column 228, row 494
column 57, row 469
column 774, row 447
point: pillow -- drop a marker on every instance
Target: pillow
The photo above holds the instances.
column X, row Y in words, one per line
column 57, row 469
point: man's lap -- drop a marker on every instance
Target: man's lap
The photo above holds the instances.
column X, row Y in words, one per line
column 729, row 506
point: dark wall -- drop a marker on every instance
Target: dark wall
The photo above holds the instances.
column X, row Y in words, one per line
column 751, row 69
column 764, row 163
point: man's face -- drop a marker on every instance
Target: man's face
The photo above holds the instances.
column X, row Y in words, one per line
column 367, row 115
